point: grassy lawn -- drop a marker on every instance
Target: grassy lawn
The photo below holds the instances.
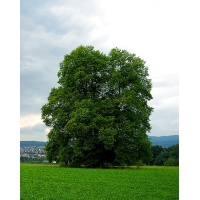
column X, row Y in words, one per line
column 39, row 181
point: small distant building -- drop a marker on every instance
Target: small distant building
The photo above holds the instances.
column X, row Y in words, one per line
column 41, row 155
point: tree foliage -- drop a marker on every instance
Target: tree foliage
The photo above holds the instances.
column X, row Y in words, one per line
column 156, row 151
column 165, row 156
column 99, row 113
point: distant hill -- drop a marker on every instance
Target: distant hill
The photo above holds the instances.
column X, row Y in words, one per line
column 31, row 143
column 164, row 141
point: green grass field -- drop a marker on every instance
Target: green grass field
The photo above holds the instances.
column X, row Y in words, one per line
column 39, row 182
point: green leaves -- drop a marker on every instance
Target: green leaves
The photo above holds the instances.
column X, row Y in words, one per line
column 99, row 113
column 107, row 136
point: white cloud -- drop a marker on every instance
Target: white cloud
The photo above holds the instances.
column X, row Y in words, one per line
column 47, row 130
column 34, row 132
column 30, row 120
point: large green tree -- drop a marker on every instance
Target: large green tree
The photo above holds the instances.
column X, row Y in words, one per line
column 99, row 114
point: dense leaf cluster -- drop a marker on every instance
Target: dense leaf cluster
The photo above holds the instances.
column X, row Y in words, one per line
column 165, row 156
column 99, row 113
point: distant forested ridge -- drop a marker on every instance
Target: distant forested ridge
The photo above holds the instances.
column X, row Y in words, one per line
column 31, row 144
column 164, row 141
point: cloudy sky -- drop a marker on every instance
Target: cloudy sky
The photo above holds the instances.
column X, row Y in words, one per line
column 153, row 30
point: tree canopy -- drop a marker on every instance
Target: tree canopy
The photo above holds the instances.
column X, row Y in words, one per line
column 99, row 113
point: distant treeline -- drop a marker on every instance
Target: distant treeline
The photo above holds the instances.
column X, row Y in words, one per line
column 32, row 160
column 164, row 141
column 31, row 144
column 163, row 156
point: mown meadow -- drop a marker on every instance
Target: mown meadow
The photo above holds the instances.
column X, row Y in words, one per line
column 45, row 181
